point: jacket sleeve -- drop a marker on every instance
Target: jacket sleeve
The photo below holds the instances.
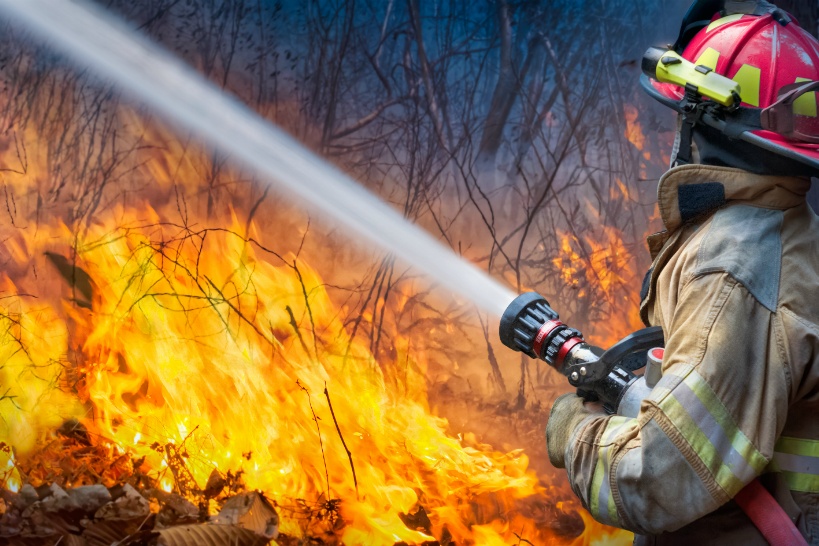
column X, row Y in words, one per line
column 709, row 426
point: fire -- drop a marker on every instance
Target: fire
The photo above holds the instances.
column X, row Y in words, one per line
column 203, row 351
column 32, row 350
column 601, row 269
column 634, row 130
column 186, row 347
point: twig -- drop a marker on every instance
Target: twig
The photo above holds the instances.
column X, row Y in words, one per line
column 349, row 454
column 497, row 375
column 181, row 474
column 321, row 443
column 295, row 326
column 521, row 539
column 307, row 305
column 10, row 398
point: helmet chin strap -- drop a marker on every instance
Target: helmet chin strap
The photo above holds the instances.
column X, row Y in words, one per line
column 691, row 113
column 676, row 160
column 675, row 149
column 684, row 142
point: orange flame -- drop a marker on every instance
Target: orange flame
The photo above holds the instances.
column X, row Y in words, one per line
column 200, row 341
column 200, row 345
column 601, row 269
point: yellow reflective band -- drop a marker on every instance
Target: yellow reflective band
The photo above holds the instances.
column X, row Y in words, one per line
column 804, row 483
column 796, row 481
column 806, row 104
column 797, row 446
column 724, row 21
column 601, row 502
column 797, row 461
column 709, row 58
column 709, row 428
column 749, row 77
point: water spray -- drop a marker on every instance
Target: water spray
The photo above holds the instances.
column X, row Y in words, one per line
column 151, row 74
column 95, row 39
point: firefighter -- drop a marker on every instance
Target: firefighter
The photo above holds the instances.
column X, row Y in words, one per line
column 735, row 286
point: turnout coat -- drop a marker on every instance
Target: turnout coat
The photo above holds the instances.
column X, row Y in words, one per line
column 735, row 287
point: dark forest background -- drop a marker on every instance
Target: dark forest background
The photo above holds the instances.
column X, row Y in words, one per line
column 514, row 131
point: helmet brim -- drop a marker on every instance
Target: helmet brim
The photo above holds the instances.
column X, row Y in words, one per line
column 671, row 96
column 807, row 154
column 661, row 93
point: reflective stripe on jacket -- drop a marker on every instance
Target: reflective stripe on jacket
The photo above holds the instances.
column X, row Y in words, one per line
column 735, row 286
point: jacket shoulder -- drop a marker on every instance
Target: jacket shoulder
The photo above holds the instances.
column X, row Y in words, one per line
column 745, row 242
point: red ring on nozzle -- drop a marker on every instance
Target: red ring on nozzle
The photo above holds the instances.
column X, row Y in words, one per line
column 564, row 350
column 542, row 334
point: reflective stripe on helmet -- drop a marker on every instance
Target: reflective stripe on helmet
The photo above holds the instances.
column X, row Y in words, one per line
column 806, row 104
column 724, row 21
column 709, row 58
column 797, row 459
column 749, row 77
column 705, row 423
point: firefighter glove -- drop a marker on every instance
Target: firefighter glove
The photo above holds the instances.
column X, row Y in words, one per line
column 567, row 413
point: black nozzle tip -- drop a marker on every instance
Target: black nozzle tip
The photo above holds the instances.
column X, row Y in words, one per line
column 512, row 320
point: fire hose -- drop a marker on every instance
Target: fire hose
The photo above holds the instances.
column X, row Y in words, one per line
column 620, row 378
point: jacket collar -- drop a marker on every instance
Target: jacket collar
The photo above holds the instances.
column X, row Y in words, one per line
column 689, row 191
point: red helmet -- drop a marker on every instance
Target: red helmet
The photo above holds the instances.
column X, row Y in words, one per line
column 766, row 52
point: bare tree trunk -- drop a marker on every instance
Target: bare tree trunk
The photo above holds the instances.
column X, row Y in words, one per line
column 438, row 117
column 504, row 96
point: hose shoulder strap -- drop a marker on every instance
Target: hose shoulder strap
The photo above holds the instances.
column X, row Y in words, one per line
column 768, row 516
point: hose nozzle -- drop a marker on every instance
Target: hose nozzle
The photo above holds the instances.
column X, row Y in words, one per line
column 531, row 326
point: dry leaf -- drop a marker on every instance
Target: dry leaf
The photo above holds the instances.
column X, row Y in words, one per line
column 252, row 511
column 108, row 532
column 59, row 502
column 38, row 522
column 216, row 482
column 175, row 509
column 90, row 498
column 131, row 505
column 59, row 540
column 210, row 535
column 82, row 287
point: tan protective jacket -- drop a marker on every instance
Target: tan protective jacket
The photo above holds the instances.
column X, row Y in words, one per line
column 735, row 287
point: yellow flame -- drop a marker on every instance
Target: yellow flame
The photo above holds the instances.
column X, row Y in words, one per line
column 207, row 352
column 634, row 129
column 203, row 352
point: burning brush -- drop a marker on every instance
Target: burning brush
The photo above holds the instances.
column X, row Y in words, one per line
column 192, row 364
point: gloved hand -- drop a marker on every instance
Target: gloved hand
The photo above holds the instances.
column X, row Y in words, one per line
column 567, row 413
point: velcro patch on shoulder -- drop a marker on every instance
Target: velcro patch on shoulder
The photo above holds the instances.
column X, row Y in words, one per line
column 697, row 199
column 746, row 243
